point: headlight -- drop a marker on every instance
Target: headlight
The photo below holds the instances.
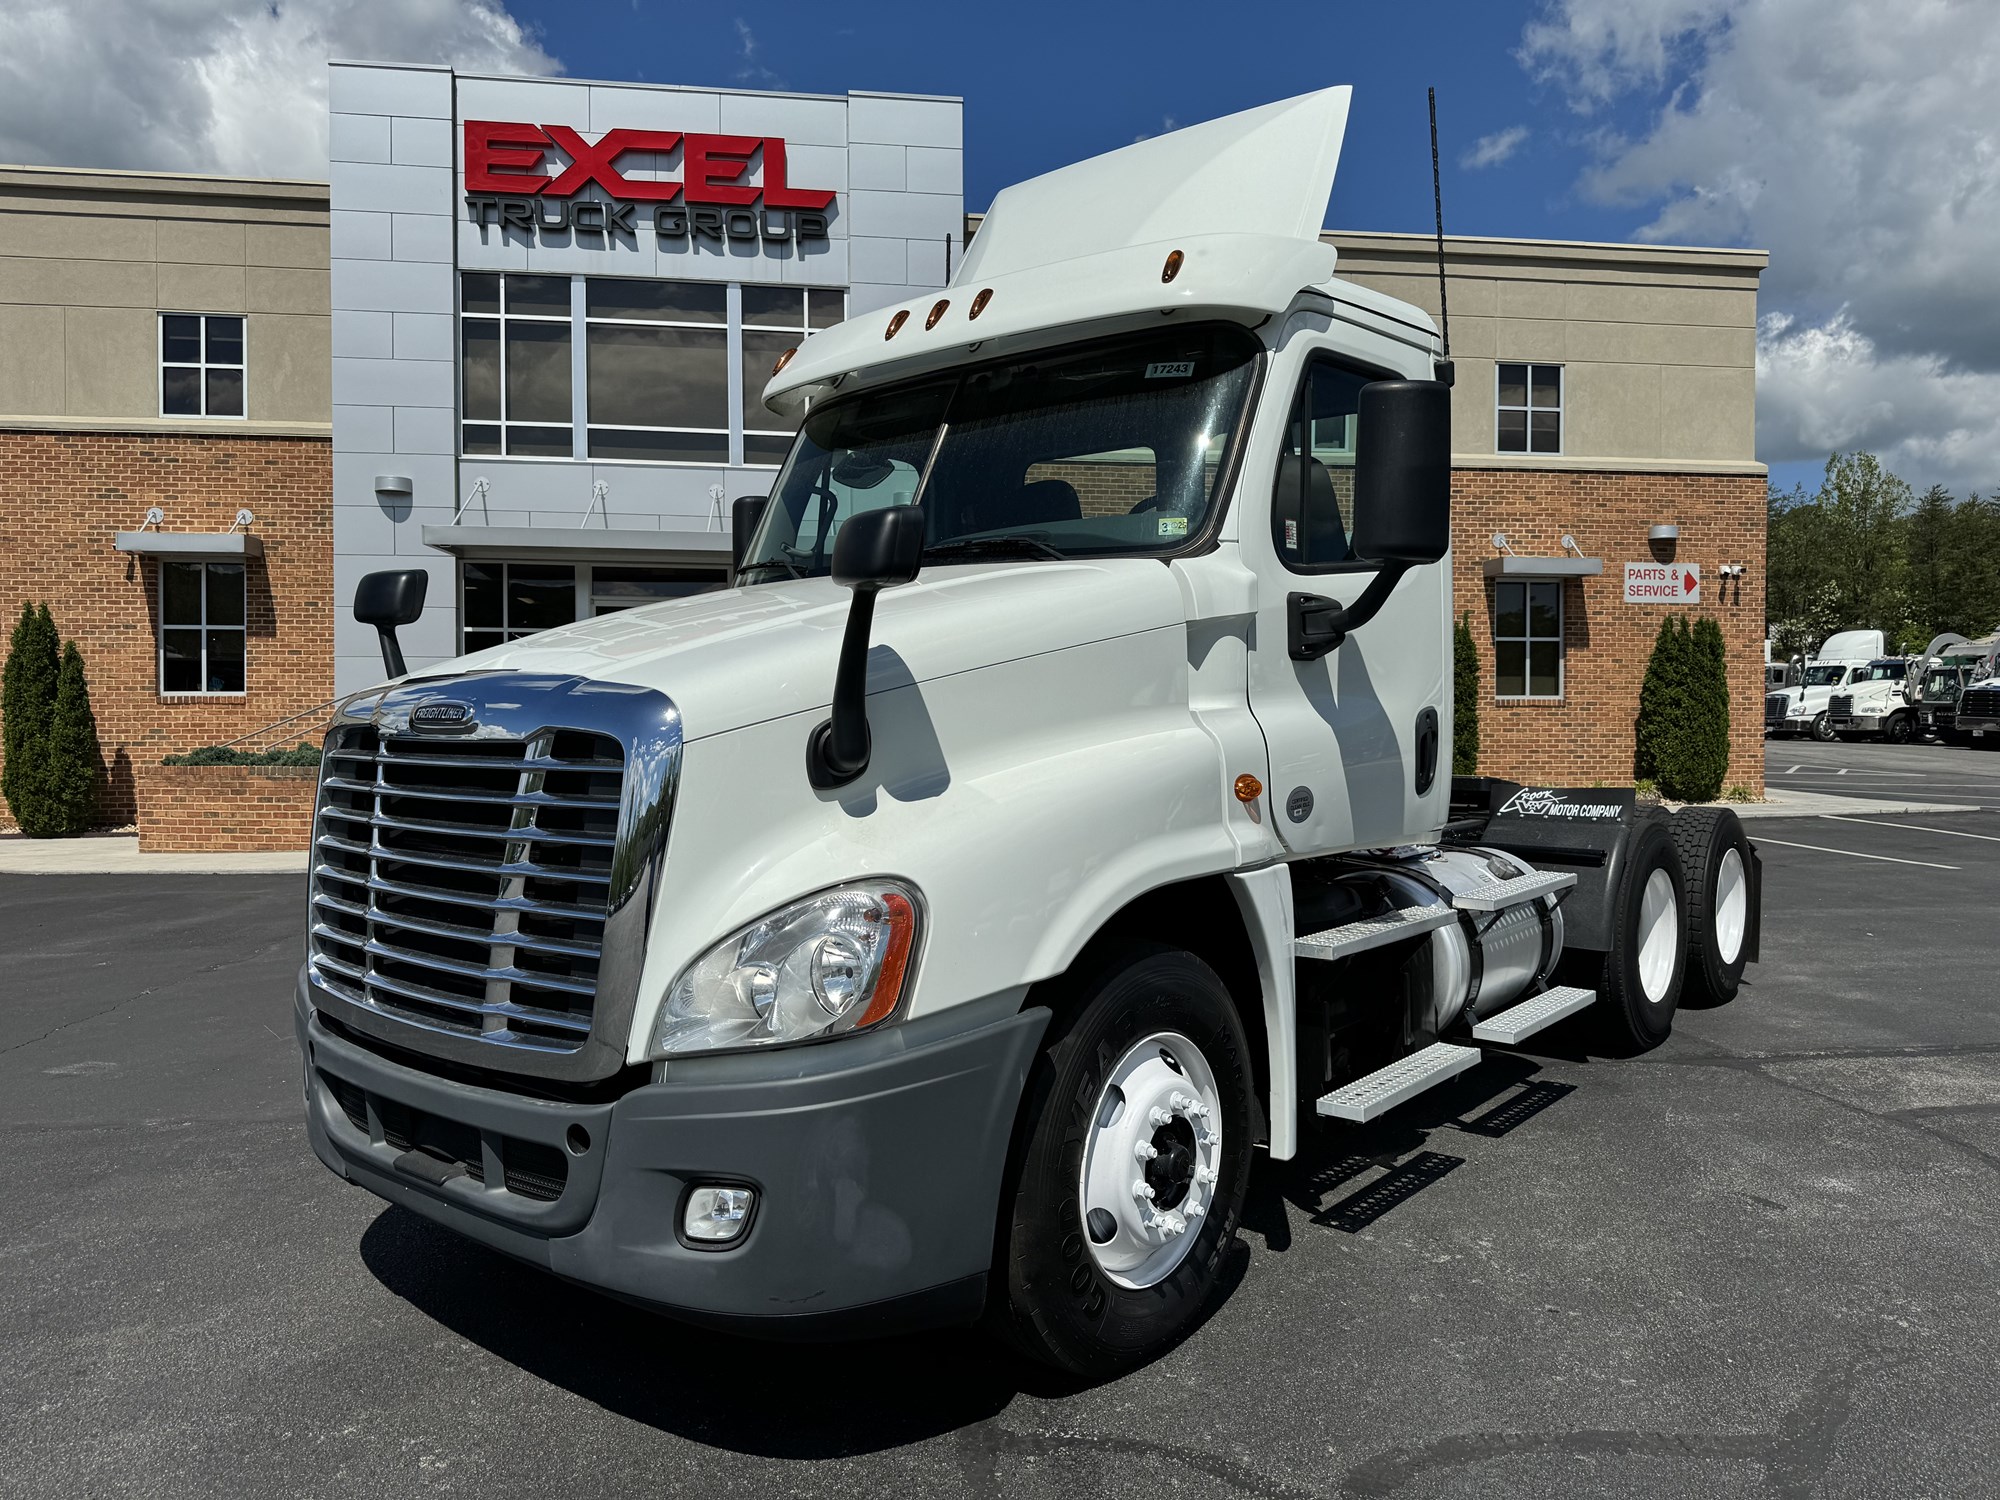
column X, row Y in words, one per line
column 833, row 963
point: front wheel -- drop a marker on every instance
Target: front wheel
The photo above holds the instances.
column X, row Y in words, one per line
column 1900, row 729
column 1129, row 1167
column 1822, row 728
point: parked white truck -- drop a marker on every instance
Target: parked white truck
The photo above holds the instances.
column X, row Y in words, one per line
column 1803, row 708
column 1054, row 811
column 1874, row 702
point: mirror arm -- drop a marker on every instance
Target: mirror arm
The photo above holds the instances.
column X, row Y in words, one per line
column 392, row 651
column 1317, row 626
column 838, row 751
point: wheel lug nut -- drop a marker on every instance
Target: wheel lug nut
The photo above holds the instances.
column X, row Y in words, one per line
column 1141, row 1190
column 1158, row 1116
column 1144, row 1152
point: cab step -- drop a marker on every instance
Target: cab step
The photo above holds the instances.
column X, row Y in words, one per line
column 1498, row 895
column 1530, row 1016
column 1379, row 1092
column 1378, row 932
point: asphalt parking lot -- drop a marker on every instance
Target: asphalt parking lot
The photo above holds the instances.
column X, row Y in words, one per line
column 1760, row 1260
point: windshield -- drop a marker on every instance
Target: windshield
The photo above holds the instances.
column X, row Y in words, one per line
column 1942, row 682
column 1105, row 449
column 1825, row 676
column 1881, row 671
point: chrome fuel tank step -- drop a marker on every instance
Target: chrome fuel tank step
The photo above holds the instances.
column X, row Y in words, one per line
column 1381, row 1091
column 1530, row 1016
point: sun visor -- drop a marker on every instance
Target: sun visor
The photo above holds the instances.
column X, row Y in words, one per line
column 1266, row 171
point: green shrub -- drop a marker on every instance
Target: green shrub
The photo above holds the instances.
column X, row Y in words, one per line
column 218, row 755
column 1681, row 737
column 27, row 704
column 75, row 766
column 1464, row 699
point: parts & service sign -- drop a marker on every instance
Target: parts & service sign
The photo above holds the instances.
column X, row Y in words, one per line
column 1662, row 583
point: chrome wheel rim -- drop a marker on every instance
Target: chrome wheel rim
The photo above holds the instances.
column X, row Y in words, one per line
column 1151, row 1160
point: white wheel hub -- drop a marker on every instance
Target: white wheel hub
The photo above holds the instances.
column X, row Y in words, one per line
column 1151, row 1160
column 1659, row 936
column 1732, row 905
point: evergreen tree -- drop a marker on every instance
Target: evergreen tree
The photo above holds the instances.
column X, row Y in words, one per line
column 27, row 703
column 1464, row 699
column 1658, row 691
column 75, row 765
column 1700, row 759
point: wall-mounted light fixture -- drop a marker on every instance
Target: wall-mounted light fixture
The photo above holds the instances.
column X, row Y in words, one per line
column 1663, row 531
column 393, row 484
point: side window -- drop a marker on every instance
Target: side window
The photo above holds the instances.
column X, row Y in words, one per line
column 201, row 627
column 1529, row 409
column 852, row 487
column 1527, row 640
column 201, row 365
column 1312, row 500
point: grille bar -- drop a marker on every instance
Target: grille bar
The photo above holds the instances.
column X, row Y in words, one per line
column 468, row 895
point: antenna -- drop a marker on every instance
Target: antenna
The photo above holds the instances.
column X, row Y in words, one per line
column 1437, row 204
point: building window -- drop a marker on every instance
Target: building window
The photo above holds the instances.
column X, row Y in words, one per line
column 777, row 318
column 1527, row 640
column 201, row 627
column 504, row 601
column 514, row 371
column 657, row 370
column 201, row 365
column 1530, row 409
column 655, row 367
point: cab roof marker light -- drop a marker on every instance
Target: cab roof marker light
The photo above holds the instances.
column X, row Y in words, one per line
column 896, row 325
column 979, row 302
column 784, row 359
column 936, row 313
column 1172, row 268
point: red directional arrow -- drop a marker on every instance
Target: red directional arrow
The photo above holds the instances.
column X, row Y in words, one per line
column 1690, row 583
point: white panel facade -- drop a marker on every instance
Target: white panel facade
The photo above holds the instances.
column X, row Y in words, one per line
column 408, row 227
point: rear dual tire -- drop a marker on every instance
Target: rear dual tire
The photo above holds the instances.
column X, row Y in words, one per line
column 1717, row 863
column 1639, row 980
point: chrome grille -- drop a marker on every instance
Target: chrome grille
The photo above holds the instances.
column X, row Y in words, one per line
column 1840, row 705
column 463, row 884
column 1774, row 707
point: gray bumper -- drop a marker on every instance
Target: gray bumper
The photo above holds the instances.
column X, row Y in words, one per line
column 1979, row 725
column 877, row 1161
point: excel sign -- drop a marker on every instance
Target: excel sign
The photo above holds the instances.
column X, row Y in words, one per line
column 527, row 177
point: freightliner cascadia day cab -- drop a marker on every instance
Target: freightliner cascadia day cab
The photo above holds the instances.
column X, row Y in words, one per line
column 934, row 924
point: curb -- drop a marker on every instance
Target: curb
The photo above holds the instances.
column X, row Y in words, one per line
column 118, row 854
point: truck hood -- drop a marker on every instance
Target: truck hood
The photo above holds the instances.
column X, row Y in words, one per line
column 745, row 655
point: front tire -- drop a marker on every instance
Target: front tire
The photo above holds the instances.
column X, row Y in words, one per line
column 1639, row 984
column 1900, row 729
column 1094, row 1275
column 1822, row 728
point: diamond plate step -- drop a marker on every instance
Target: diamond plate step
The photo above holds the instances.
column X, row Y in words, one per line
column 1498, row 895
column 1385, row 1088
column 1531, row 1016
column 1357, row 937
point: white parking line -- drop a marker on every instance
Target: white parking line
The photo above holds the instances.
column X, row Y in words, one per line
column 1957, row 833
column 1857, row 854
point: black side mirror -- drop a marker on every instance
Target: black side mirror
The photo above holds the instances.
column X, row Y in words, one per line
column 875, row 550
column 387, row 600
column 744, row 514
column 1402, row 505
column 1402, row 472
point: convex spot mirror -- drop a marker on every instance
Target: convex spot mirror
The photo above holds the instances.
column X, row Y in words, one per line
column 1402, row 471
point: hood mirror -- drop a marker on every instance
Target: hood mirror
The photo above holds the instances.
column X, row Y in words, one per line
column 386, row 601
column 875, row 550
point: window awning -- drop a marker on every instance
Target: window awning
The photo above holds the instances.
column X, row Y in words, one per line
column 583, row 544
column 191, row 546
column 1543, row 567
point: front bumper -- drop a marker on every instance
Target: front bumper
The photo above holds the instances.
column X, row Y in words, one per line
column 1859, row 723
column 1980, row 727
column 877, row 1160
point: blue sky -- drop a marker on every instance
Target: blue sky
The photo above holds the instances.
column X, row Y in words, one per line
column 1853, row 140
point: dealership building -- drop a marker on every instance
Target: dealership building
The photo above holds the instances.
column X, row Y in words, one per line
column 517, row 340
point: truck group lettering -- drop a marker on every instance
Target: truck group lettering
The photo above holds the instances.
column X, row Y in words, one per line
column 507, row 185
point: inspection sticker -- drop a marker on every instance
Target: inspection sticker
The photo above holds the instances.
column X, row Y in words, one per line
column 1170, row 369
column 1173, row 525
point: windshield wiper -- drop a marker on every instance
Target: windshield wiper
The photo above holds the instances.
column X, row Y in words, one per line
column 1016, row 542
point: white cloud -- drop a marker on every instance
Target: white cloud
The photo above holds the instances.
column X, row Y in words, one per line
column 236, row 86
column 1491, row 150
column 1854, row 142
column 752, row 71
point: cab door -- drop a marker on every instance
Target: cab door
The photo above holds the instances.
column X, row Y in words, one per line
column 1358, row 739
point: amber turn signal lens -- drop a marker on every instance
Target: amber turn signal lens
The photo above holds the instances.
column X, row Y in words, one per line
column 1172, row 268
column 784, row 359
column 896, row 323
column 936, row 313
column 979, row 303
column 1248, row 788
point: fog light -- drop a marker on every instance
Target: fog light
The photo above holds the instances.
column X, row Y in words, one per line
column 715, row 1214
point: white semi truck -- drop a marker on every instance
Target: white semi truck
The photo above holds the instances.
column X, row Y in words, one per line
column 1054, row 813
column 1803, row 707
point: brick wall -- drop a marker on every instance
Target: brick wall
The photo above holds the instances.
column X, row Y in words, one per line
column 1585, row 737
column 62, row 498
column 225, row 809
